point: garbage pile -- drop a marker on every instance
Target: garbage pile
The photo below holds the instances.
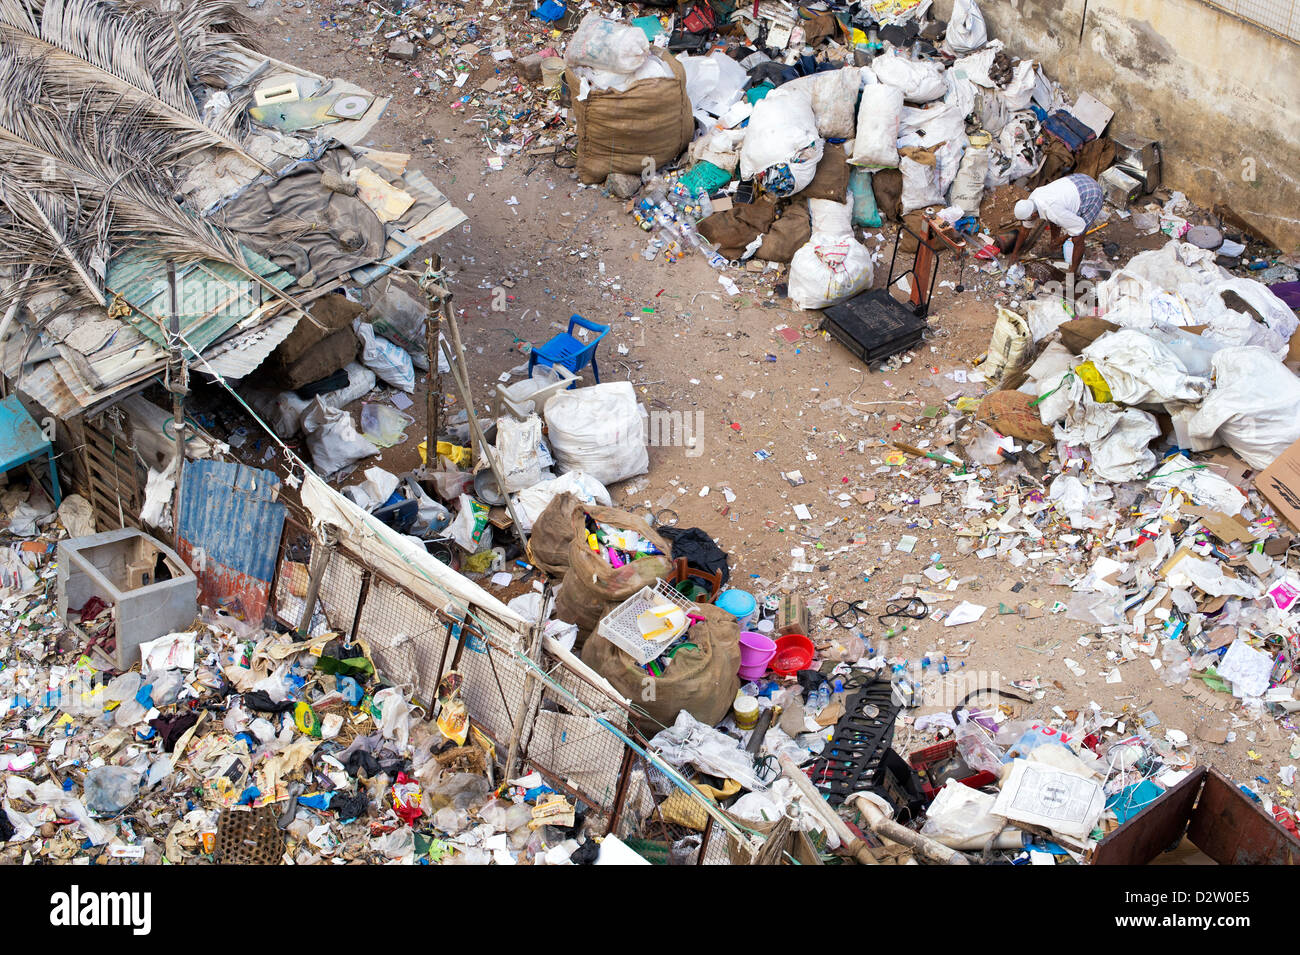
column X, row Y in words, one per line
column 227, row 742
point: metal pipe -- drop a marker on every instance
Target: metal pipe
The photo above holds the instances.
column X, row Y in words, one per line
column 814, row 802
column 882, row 825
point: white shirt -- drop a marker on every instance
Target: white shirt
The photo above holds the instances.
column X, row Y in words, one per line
column 1058, row 202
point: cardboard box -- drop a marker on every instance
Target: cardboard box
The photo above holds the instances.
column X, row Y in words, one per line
column 793, row 617
column 1280, row 485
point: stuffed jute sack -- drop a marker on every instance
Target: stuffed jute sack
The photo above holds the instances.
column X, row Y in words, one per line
column 617, row 130
column 592, row 587
column 701, row 680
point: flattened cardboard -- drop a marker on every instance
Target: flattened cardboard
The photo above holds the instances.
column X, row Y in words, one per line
column 1280, row 485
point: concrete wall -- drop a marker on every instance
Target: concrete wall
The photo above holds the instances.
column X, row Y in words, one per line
column 1221, row 95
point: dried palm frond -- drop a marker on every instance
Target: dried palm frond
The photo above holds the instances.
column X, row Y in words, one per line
column 30, row 76
column 57, row 238
column 87, row 158
column 94, row 45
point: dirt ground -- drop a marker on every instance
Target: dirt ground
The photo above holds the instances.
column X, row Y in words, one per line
column 691, row 347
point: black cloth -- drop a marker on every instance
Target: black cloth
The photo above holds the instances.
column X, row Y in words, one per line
column 695, row 544
column 172, row 729
column 261, row 701
column 348, row 808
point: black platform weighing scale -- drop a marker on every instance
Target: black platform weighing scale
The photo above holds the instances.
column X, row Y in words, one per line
column 875, row 325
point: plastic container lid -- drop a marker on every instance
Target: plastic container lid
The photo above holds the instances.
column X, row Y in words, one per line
column 737, row 603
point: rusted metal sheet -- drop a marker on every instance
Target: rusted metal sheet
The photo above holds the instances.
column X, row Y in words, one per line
column 1233, row 830
column 230, row 525
column 1155, row 829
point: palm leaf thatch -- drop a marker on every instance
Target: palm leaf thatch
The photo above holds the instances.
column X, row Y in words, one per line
column 56, row 239
column 95, row 45
column 84, row 157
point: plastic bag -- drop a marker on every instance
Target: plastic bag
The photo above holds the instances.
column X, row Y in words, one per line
column 920, row 81
column 1177, row 663
column 829, row 269
column 834, row 97
column 967, row 190
column 1122, row 454
column 1008, row 346
column 517, row 443
column 390, row 362
column 961, row 816
column 332, row 438
column 1140, row 370
column 1252, row 408
column 599, row 431
column 781, row 126
column 713, row 82
column 688, row 742
column 606, row 45
column 967, row 31
column 470, row 528
column 399, row 313
column 876, row 143
column 530, row 503
column 830, row 217
column 865, row 212
column 383, row 425
column 920, row 184
column 110, row 789
column 977, row 749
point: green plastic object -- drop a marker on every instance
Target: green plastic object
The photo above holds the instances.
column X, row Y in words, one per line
column 705, row 176
column 758, row 92
column 650, row 26
column 865, row 213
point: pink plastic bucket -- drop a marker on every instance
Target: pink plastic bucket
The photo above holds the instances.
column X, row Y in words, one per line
column 756, row 651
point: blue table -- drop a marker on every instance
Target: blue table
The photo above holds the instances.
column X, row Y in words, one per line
column 21, row 440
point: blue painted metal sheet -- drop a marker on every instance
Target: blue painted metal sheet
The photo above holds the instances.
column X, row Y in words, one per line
column 230, row 526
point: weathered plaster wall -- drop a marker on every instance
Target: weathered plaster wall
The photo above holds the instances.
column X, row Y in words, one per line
column 1221, row 95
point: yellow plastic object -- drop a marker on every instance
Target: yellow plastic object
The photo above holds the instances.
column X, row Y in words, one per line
column 1096, row 384
column 454, row 453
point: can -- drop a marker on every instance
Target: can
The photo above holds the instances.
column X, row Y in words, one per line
column 745, row 709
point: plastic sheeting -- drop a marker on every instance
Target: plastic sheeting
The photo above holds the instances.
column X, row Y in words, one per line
column 400, row 558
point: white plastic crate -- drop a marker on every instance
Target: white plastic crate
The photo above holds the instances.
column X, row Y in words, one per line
column 620, row 628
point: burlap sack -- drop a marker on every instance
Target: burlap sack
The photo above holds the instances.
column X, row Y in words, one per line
column 553, row 532
column 617, row 130
column 1010, row 413
column 738, row 226
column 592, row 588
column 701, row 680
column 788, row 234
column 887, row 184
column 832, row 179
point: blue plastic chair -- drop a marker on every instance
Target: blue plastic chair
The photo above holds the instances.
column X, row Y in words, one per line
column 566, row 350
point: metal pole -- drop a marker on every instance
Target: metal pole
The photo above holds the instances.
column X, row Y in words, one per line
column 433, row 291
column 477, row 432
column 534, row 651
column 178, row 385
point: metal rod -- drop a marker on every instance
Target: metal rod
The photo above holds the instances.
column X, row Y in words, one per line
column 530, row 686
column 178, row 386
column 476, row 430
column 854, row 846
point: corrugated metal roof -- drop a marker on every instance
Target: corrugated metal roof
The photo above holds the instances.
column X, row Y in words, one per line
column 230, row 524
column 241, row 355
column 212, row 296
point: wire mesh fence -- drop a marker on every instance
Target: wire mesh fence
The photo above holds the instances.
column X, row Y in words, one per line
column 568, row 727
column 1281, row 17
